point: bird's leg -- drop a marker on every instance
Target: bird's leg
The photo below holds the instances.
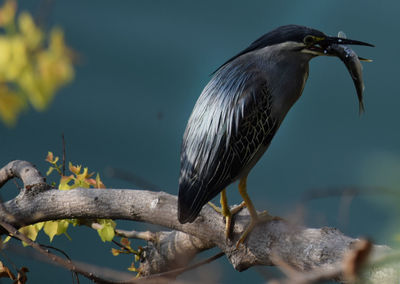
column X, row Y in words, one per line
column 255, row 217
column 226, row 211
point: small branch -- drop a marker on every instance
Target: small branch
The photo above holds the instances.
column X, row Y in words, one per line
column 147, row 236
column 63, row 154
column 176, row 272
column 68, row 264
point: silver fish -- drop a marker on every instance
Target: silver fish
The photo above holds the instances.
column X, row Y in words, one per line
column 353, row 64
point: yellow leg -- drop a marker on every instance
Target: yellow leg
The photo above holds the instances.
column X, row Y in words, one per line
column 226, row 211
column 255, row 217
column 246, row 198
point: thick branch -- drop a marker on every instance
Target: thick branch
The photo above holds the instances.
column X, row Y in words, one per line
column 22, row 170
column 302, row 248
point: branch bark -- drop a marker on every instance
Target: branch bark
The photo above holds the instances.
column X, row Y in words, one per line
column 304, row 249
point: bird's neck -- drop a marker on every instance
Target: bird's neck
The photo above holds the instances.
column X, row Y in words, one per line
column 287, row 73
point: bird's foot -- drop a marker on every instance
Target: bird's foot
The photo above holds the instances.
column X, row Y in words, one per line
column 261, row 218
column 228, row 213
column 215, row 207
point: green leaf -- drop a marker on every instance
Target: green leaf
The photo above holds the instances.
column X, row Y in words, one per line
column 107, row 232
column 50, row 171
column 50, row 228
column 55, row 228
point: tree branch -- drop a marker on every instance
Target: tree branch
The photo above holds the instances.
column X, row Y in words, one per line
column 302, row 248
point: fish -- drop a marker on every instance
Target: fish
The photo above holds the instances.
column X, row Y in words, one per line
column 353, row 65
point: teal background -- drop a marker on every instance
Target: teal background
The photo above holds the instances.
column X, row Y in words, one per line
column 143, row 65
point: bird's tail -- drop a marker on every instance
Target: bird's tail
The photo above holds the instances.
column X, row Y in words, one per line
column 190, row 202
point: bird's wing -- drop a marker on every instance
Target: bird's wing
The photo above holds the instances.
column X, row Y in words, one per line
column 230, row 127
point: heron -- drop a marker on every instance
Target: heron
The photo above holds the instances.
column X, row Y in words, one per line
column 240, row 110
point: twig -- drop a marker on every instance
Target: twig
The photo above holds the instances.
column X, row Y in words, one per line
column 74, row 274
column 176, row 272
column 68, row 264
column 64, row 156
column 298, row 277
column 147, row 235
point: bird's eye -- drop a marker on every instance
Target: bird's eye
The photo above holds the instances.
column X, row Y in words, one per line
column 308, row 40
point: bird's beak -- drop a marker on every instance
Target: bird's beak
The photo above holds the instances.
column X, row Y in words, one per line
column 324, row 44
column 339, row 40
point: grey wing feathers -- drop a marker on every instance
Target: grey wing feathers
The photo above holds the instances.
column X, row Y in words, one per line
column 230, row 124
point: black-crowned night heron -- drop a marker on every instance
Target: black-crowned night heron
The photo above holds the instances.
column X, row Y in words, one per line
column 240, row 110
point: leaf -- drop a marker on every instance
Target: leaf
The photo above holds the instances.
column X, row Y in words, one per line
column 74, row 169
column 31, row 231
column 55, row 228
column 115, row 252
column 64, row 183
column 11, row 104
column 50, row 228
column 133, row 268
column 49, row 157
column 107, row 231
column 50, row 170
column 99, row 183
column 5, row 272
column 7, row 13
column 22, row 278
column 33, row 36
column 126, row 242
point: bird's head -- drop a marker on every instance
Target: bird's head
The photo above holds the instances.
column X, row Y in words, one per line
column 299, row 42
column 300, row 39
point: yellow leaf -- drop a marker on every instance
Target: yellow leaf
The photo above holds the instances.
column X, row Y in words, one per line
column 115, row 252
column 62, row 227
column 74, row 169
column 56, row 228
column 107, row 232
column 64, row 183
column 99, row 183
column 84, row 175
column 49, row 171
column 7, row 13
column 5, row 55
column 5, row 272
column 6, row 239
column 39, row 226
column 32, row 34
column 126, row 242
column 14, row 58
column 11, row 104
column 133, row 268
column 31, row 231
column 50, row 228
column 50, row 157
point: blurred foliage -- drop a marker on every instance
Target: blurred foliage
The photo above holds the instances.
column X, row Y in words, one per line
column 34, row 64
column 77, row 178
column 21, row 278
column 126, row 248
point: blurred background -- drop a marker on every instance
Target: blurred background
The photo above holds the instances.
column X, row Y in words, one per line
column 139, row 67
